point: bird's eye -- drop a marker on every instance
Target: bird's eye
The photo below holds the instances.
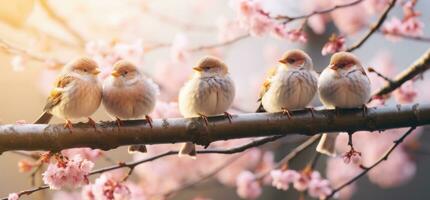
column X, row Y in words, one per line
column 291, row 60
column 85, row 70
column 341, row 65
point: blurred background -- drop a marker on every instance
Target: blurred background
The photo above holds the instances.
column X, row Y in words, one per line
column 38, row 36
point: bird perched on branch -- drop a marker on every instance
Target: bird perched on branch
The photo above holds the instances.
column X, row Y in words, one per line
column 209, row 92
column 342, row 84
column 127, row 94
column 77, row 93
column 291, row 85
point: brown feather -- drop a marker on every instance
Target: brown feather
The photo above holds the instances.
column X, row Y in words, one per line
column 266, row 85
column 55, row 96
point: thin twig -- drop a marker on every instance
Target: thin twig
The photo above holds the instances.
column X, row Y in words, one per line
column 319, row 12
column 421, row 65
column 408, row 37
column 132, row 165
column 372, row 70
column 380, row 160
column 293, row 153
column 373, row 28
column 222, row 44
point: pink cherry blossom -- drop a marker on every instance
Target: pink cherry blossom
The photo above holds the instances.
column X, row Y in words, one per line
column 25, row 166
column 106, row 188
column 282, row 179
column 406, row 93
column 302, row 182
column 247, row 186
column 352, row 156
column 297, row 35
column 260, row 25
column 392, row 28
column 72, row 172
column 319, row 188
column 13, row 196
column 179, row 49
column 334, row 44
column 85, row 153
column 412, row 26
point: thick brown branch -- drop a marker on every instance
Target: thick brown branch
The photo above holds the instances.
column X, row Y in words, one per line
column 380, row 160
column 107, row 136
column 418, row 67
column 373, row 28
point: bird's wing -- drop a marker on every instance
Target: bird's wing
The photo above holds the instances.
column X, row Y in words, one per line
column 266, row 84
column 56, row 93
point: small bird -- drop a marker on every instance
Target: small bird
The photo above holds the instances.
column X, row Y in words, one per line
column 342, row 84
column 128, row 94
column 291, row 85
column 209, row 92
column 77, row 93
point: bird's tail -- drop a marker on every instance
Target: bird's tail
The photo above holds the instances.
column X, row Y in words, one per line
column 44, row 118
column 188, row 149
column 260, row 109
column 327, row 144
column 137, row 148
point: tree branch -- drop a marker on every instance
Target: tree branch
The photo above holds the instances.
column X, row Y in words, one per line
column 380, row 160
column 107, row 135
column 134, row 164
column 373, row 28
column 319, row 12
column 418, row 67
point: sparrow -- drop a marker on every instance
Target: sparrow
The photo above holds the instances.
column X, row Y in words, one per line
column 77, row 93
column 128, row 94
column 291, row 85
column 209, row 92
column 343, row 84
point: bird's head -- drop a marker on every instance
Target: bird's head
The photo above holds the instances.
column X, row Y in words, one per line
column 83, row 66
column 125, row 71
column 343, row 62
column 296, row 59
column 210, row 66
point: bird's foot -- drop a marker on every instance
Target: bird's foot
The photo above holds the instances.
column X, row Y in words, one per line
column 229, row 117
column 92, row 123
column 68, row 125
column 119, row 123
column 286, row 112
column 311, row 110
column 149, row 120
column 365, row 109
column 205, row 119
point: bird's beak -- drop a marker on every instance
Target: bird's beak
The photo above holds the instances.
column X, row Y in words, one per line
column 96, row 71
column 282, row 61
column 333, row 67
column 197, row 69
column 115, row 73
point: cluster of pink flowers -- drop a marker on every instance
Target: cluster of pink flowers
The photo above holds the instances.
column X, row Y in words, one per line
column 310, row 181
column 106, row 187
column 334, row 44
column 67, row 172
column 248, row 186
column 410, row 25
column 85, row 153
column 252, row 17
column 13, row 196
